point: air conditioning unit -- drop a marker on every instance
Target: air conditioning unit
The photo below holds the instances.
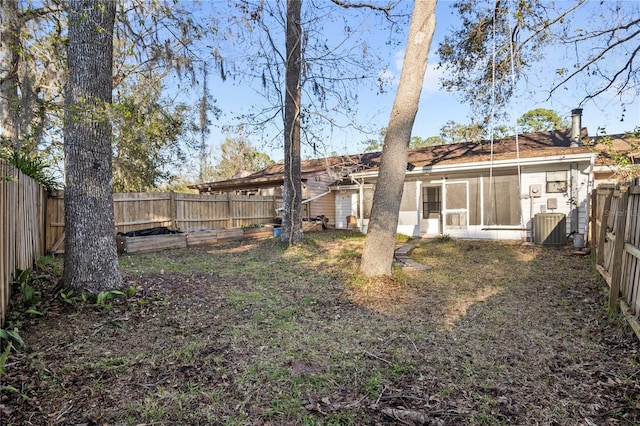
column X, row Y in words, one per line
column 550, row 229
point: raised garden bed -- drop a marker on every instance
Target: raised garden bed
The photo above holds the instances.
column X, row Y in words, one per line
column 150, row 243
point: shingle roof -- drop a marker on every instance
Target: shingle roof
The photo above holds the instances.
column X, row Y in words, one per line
column 529, row 145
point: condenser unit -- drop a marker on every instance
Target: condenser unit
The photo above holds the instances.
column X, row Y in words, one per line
column 550, row 229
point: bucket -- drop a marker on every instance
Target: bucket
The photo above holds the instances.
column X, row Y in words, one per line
column 578, row 241
column 277, row 232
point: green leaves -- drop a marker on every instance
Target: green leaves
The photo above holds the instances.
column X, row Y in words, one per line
column 541, row 119
column 31, row 165
column 147, row 132
column 11, row 337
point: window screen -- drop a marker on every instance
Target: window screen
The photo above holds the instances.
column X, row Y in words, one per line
column 503, row 209
column 408, row 203
column 431, row 202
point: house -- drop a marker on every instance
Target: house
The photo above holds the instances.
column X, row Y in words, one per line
column 495, row 190
column 485, row 190
column 317, row 175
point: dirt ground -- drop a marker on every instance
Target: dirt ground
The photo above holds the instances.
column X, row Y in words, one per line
column 251, row 333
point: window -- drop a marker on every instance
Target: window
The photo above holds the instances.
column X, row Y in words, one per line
column 557, row 182
column 503, row 209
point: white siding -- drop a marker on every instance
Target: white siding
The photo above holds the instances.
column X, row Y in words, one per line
column 317, row 184
column 538, row 176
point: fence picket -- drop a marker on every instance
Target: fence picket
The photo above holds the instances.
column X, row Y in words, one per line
column 618, row 252
column 21, row 232
column 185, row 212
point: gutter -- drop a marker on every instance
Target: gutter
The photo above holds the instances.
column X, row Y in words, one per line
column 564, row 158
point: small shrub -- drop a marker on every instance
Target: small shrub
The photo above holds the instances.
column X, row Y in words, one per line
column 255, row 225
column 402, row 238
column 444, row 238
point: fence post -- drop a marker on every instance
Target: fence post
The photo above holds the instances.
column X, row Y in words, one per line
column 173, row 209
column 230, row 209
column 602, row 237
column 618, row 251
column 593, row 238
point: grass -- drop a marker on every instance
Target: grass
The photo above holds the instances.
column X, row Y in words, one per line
column 256, row 333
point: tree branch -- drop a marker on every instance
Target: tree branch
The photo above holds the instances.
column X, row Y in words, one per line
column 628, row 66
column 385, row 9
column 595, row 59
column 31, row 13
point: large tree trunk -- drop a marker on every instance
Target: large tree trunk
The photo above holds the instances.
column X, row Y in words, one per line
column 91, row 259
column 10, row 23
column 292, row 194
column 379, row 244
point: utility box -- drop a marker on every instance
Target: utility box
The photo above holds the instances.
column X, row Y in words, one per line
column 550, row 229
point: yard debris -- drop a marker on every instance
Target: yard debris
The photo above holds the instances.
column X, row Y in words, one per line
column 253, row 333
column 411, row 417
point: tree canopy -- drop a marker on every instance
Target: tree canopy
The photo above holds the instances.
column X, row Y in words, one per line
column 238, row 155
column 499, row 44
column 153, row 41
column 541, row 119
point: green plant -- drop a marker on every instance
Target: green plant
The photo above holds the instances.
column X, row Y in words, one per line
column 402, row 238
column 373, row 386
column 32, row 166
column 50, row 264
column 105, row 296
column 443, row 238
column 29, row 295
column 9, row 339
column 101, row 299
column 131, row 291
column 67, row 296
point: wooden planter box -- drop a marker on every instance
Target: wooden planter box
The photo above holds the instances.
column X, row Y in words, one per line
column 150, row 243
column 311, row 226
column 202, row 238
column 256, row 233
column 231, row 234
column 198, row 238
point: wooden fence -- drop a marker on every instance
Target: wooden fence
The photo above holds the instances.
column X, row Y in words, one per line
column 22, row 207
column 185, row 212
column 616, row 239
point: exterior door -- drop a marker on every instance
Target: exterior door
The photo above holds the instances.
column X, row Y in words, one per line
column 346, row 205
column 431, row 222
column 456, row 208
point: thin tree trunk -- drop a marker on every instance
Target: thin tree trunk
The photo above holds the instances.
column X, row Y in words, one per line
column 377, row 258
column 91, row 259
column 10, row 23
column 292, row 194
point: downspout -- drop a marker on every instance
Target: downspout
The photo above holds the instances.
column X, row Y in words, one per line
column 590, row 187
column 361, row 206
column 576, row 129
column 575, row 216
column 360, row 202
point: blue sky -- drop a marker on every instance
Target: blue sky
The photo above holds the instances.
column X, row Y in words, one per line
column 437, row 106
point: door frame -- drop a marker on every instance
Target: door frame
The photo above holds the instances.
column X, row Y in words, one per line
column 463, row 229
column 424, row 222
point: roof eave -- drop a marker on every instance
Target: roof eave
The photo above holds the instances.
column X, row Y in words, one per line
column 528, row 161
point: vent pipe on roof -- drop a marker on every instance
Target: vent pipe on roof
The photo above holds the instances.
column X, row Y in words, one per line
column 576, row 127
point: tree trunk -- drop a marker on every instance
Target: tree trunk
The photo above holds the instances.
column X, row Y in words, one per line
column 91, row 259
column 379, row 245
column 10, row 23
column 292, row 194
